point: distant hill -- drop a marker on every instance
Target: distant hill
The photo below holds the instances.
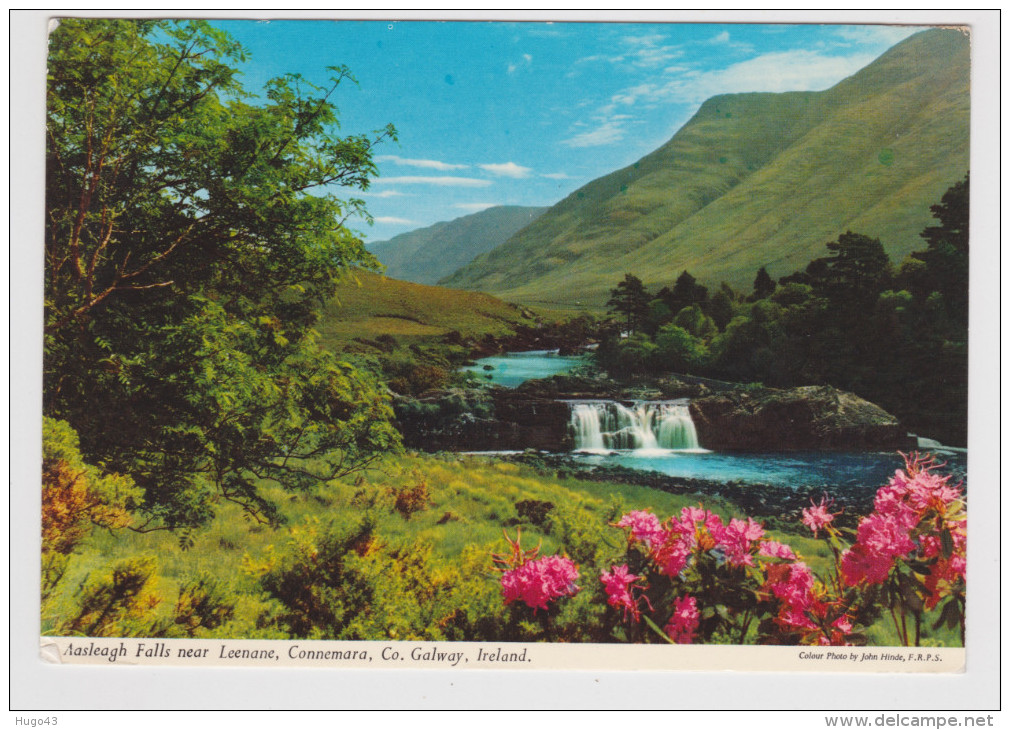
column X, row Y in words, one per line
column 757, row 180
column 369, row 305
column 428, row 254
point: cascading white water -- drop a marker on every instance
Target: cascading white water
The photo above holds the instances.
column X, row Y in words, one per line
column 608, row 425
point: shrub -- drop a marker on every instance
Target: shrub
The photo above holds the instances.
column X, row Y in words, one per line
column 412, row 498
column 534, row 510
column 341, row 582
column 119, row 601
column 76, row 496
column 204, row 604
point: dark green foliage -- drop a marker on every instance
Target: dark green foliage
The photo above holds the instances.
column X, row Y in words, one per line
column 722, row 306
column 534, row 510
column 341, row 582
column 628, row 355
column 686, row 291
column 694, row 320
column 204, row 604
column 117, row 602
column 630, row 300
column 679, row 350
column 943, row 266
column 764, row 285
column 845, row 321
column 856, row 272
column 188, row 252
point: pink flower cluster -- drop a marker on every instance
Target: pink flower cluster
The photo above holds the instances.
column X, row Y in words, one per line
column 817, row 516
column 774, row 549
column 645, row 527
column 670, row 545
column 618, row 582
column 684, row 621
column 802, row 609
column 910, row 514
column 538, row 582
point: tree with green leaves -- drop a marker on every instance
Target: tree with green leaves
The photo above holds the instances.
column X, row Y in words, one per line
column 944, row 263
column 855, row 273
column 721, row 307
column 686, row 291
column 764, row 285
column 192, row 235
column 630, row 300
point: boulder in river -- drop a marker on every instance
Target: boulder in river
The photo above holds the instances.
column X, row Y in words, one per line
column 810, row 418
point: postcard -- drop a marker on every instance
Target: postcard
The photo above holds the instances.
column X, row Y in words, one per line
column 413, row 344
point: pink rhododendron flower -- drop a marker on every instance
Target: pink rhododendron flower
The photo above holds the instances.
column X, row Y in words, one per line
column 538, row 582
column 919, row 487
column 885, row 536
column 672, row 556
column 618, row 584
column 916, row 499
column 817, row 516
column 684, row 622
column 645, row 527
column 795, row 618
column 796, row 591
column 694, row 514
column 858, row 565
column 736, row 538
column 843, row 624
column 773, row 549
column 942, row 577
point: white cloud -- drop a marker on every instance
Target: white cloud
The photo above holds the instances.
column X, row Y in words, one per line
column 877, row 34
column 474, row 207
column 557, row 175
column 649, row 51
column 428, row 164
column 600, row 57
column 391, row 219
column 385, row 194
column 460, row 182
column 795, row 70
column 526, row 62
column 507, row 169
column 798, row 70
column 607, row 132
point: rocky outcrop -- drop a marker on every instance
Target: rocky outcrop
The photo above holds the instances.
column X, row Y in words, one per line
column 798, row 419
column 537, row 416
column 493, row 419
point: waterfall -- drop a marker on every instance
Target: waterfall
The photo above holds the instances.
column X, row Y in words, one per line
column 606, row 425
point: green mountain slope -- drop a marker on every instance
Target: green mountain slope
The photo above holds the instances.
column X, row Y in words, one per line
column 428, row 254
column 369, row 305
column 757, row 180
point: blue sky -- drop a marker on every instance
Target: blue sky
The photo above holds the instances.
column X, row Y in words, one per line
column 524, row 113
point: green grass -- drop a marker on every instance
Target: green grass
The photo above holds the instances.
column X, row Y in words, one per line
column 472, row 500
column 369, row 305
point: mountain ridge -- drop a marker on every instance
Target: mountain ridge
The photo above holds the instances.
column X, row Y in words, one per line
column 756, row 179
column 425, row 255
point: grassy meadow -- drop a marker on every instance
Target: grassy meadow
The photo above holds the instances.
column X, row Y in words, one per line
column 403, row 551
column 370, row 305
